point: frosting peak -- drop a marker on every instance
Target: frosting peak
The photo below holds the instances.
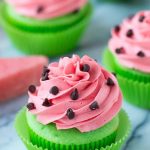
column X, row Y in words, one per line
column 76, row 93
column 130, row 42
column 46, row 9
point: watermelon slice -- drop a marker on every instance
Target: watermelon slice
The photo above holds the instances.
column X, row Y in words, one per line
column 16, row 74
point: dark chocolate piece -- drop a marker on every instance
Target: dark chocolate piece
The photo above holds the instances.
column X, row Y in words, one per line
column 94, row 106
column 32, row 89
column 54, row 90
column 85, row 68
column 110, row 82
column 74, row 95
column 70, row 114
column 31, row 106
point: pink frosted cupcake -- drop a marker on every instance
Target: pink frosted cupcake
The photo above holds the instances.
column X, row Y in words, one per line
column 50, row 27
column 76, row 106
column 129, row 57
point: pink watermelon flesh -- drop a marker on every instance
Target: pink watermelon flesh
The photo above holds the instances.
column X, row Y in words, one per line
column 16, row 74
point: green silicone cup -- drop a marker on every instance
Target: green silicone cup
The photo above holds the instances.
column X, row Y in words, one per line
column 47, row 43
column 122, row 133
column 135, row 85
column 49, row 137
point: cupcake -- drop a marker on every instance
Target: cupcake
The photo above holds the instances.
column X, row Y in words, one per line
column 45, row 27
column 128, row 56
column 76, row 106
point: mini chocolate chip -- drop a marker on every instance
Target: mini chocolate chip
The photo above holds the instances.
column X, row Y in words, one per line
column 129, row 33
column 45, row 77
column 85, row 68
column 141, row 18
column 140, row 54
column 94, row 106
column 76, row 11
column 119, row 50
column 70, row 114
column 117, row 28
column 31, row 106
column 54, row 90
column 47, row 103
column 110, row 82
column 74, row 95
column 40, row 9
column 32, row 89
column 45, row 70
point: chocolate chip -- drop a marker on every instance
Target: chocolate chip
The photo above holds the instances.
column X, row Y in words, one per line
column 54, row 90
column 47, row 103
column 119, row 50
column 45, row 70
column 32, row 89
column 94, row 106
column 110, row 82
column 140, row 54
column 129, row 33
column 117, row 28
column 45, row 73
column 31, row 106
column 74, row 95
column 40, row 9
column 45, row 77
column 85, row 68
column 76, row 11
column 141, row 18
column 70, row 114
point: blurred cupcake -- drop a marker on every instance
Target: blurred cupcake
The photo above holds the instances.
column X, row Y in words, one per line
column 129, row 57
column 49, row 27
column 117, row 1
column 76, row 106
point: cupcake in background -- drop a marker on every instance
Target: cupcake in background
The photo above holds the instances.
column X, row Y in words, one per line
column 117, row 1
column 76, row 106
column 49, row 27
column 128, row 56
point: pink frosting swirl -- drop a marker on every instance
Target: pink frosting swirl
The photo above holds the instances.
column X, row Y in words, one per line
column 132, row 37
column 46, row 9
column 99, row 98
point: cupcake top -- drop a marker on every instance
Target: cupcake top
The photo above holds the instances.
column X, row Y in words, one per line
column 130, row 42
column 46, row 9
column 75, row 93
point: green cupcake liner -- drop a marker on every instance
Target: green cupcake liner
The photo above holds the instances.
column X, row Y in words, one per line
column 47, row 43
column 49, row 137
column 135, row 85
column 122, row 133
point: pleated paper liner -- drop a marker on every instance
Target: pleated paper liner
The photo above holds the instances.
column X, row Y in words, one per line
column 49, row 137
column 135, row 85
column 122, row 133
column 48, row 25
column 50, row 44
